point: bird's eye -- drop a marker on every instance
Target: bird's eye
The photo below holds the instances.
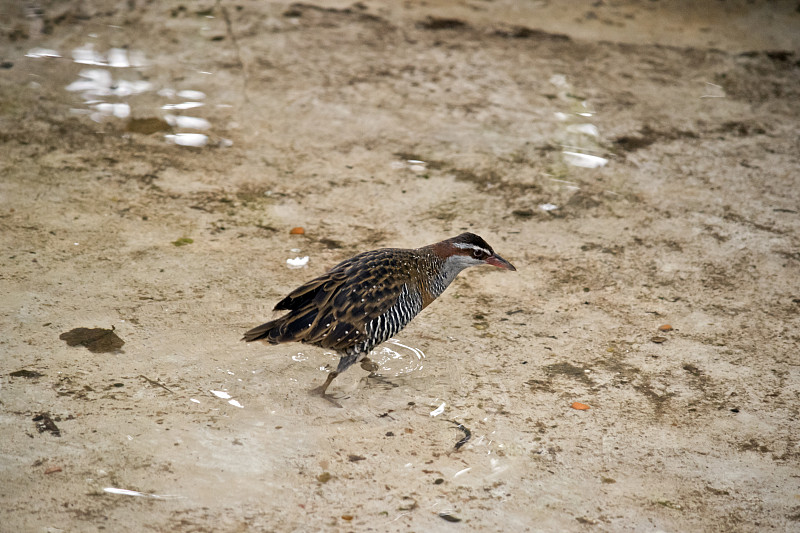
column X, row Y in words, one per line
column 478, row 254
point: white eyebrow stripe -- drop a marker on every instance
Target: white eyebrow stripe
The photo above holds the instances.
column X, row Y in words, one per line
column 465, row 245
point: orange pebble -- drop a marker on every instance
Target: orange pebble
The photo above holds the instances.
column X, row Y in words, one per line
column 297, row 231
column 580, row 406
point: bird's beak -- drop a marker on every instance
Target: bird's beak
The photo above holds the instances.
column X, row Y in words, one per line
column 496, row 260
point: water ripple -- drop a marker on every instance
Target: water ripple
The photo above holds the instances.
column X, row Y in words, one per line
column 398, row 360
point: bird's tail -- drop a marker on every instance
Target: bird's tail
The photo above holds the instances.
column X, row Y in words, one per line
column 269, row 332
column 292, row 327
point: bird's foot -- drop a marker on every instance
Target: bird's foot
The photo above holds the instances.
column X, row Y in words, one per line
column 369, row 365
column 320, row 391
column 332, row 400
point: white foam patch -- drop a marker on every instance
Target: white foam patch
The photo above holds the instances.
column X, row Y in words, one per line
column 439, row 410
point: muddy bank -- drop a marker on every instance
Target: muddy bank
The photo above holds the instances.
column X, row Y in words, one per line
column 636, row 181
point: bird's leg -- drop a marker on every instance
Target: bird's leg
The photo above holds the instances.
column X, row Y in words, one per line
column 322, row 388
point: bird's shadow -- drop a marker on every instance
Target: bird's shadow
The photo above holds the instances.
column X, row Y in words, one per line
column 317, row 392
column 382, row 380
column 366, row 364
column 372, row 367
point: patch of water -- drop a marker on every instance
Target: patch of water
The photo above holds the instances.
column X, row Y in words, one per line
column 109, row 90
column 399, row 359
column 580, row 140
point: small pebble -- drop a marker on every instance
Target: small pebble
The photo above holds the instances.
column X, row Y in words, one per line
column 659, row 340
column 297, row 231
column 665, row 327
column 297, row 262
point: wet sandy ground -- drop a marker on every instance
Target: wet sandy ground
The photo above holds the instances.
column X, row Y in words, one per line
column 637, row 161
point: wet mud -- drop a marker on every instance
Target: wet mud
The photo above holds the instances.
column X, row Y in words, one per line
column 167, row 168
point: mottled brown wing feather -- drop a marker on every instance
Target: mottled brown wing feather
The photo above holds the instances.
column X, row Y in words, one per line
column 307, row 292
column 369, row 289
column 333, row 310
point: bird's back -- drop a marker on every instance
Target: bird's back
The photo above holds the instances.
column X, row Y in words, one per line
column 356, row 305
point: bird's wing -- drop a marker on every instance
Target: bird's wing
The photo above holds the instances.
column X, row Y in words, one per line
column 308, row 292
column 334, row 310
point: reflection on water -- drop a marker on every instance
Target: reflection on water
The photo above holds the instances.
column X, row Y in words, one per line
column 108, row 92
column 182, row 105
column 37, row 53
column 580, row 139
column 187, row 139
column 191, row 123
column 95, row 82
column 578, row 159
column 191, row 95
column 414, row 165
column 116, row 57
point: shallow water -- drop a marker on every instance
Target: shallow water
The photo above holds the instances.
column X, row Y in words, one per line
column 398, row 359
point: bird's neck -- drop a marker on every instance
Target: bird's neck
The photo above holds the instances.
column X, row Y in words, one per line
column 438, row 276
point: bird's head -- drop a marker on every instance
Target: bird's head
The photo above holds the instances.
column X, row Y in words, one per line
column 468, row 250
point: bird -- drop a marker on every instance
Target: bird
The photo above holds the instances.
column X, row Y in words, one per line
column 365, row 300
